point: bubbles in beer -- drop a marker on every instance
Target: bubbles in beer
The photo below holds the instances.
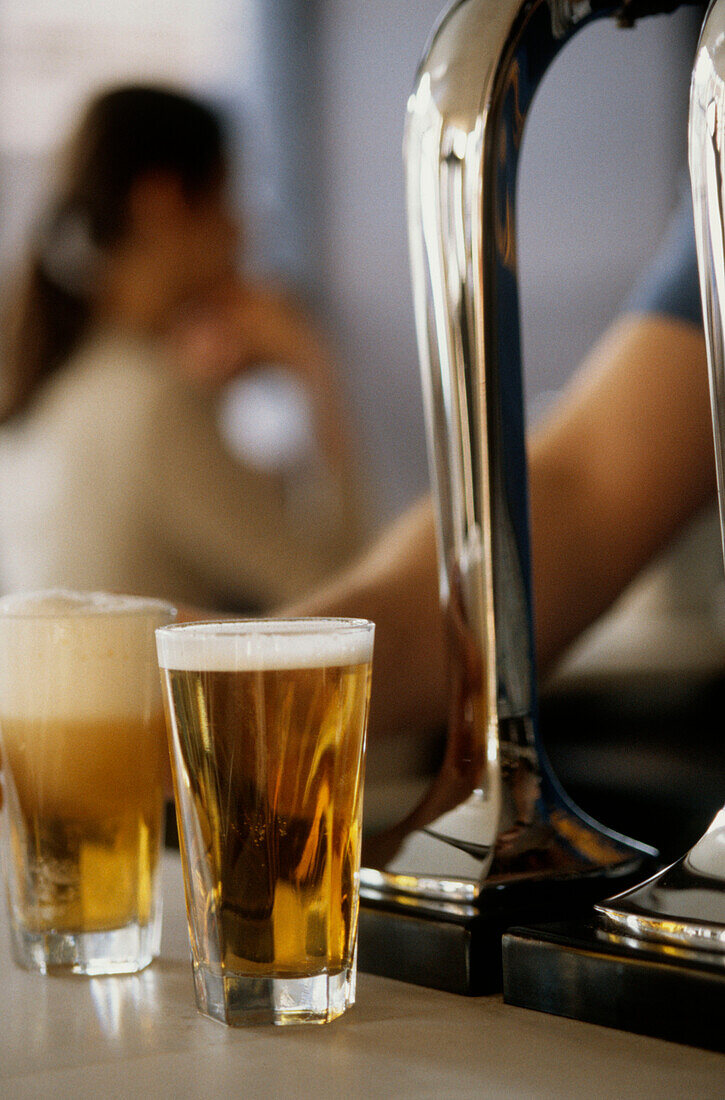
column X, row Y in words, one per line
column 82, row 735
column 267, row 733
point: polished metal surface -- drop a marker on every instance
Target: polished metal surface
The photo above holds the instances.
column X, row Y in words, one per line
column 495, row 814
column 683, row 905
column 707, row 161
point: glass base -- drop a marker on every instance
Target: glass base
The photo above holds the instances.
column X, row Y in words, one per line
column 121, row 951
column 239, row 1000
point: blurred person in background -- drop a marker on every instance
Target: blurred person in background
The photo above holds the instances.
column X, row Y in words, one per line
column 127, row 317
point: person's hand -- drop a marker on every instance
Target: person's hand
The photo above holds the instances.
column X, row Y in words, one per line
column 217, row 338
column 241, row 326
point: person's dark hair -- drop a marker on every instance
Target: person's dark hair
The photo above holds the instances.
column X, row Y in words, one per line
column 125, row 134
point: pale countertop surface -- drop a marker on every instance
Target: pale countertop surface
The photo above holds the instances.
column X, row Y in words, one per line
column 140, row 1036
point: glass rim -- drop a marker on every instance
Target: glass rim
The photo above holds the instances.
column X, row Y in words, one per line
column 287, row 627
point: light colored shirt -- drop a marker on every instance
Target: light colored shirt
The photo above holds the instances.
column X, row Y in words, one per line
column 116, row 478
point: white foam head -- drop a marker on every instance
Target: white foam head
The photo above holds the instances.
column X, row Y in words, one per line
column 78, row 655
column 52, row 603
column 265, row 645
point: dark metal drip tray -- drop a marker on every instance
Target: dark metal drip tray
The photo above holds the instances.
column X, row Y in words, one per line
column 578, row 969
column 457, row 947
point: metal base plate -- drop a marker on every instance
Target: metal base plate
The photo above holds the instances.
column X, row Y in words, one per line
column 457, row 947
column 579, row 970
column 459, row 953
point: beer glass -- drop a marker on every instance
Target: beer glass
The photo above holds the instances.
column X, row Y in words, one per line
column 83, row 762
column 267, row 724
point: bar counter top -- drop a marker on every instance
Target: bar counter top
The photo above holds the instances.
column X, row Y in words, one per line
column 140, row 1036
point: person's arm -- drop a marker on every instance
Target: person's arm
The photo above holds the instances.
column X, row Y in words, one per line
column 396, row 586
column 619, row 466
column 625, row 459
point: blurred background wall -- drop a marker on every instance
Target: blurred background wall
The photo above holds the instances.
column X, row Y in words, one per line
column 315, row 91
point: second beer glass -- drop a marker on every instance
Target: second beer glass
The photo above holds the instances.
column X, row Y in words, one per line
column 267, row 727
column 81, row 729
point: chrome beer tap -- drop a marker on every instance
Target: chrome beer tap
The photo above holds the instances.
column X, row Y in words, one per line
column 684, row 905
column 495, row 817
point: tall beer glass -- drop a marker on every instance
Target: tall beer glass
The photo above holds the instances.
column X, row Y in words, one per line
column 267, row 728
column 83, row 761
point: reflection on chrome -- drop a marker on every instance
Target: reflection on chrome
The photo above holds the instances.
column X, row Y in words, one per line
column 684, row 905
column 495, row 813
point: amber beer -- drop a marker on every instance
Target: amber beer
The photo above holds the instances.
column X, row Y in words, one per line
column 82, row 733
column 267, row 724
